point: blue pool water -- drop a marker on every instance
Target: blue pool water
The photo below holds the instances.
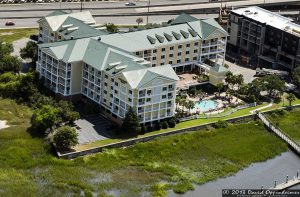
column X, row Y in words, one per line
column 205, row 105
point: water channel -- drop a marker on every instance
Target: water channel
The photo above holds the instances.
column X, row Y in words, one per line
column 253, row 177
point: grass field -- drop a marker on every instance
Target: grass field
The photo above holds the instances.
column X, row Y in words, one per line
column 10, row 35
column 289, row 123
column 28, row 168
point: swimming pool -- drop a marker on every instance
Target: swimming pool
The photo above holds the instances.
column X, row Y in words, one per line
column 206, row 105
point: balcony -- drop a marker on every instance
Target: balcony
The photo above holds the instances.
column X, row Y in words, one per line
column 141, row 103
column 141, row 111
column 170, row 97
column 169, row 105
column 142, row 95
column 214, row 43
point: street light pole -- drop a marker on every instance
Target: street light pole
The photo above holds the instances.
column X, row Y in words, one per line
column 148, row 11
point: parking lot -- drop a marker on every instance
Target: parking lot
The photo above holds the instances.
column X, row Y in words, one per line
column 92, row 128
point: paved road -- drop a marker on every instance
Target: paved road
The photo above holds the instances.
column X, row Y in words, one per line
column 102, row 20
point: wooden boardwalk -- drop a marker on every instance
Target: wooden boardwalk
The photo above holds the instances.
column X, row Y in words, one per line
column 287, row 184
column 280, row 133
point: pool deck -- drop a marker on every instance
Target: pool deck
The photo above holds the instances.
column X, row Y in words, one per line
column 222, row 104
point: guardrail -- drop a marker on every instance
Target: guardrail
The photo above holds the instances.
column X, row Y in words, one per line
column 207, row 116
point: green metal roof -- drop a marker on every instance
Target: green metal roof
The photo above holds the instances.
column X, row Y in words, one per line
column 183, row 18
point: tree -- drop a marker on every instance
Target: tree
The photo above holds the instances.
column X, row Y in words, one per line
column 65, row 137
column 112, row 28
column 190, row 105
column 30, row 51
column 5, row 49
column 131, row 122
column 273, row 85
column 229, row 79
column 177, row 100
column 66, row 111
column 296, row 77
column 45, row 118
column 10, row 63
column 139, row 20
column 238, row 80
column 220, row 86
column 291, row 97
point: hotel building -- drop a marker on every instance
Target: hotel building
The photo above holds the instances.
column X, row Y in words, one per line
column 122, row 70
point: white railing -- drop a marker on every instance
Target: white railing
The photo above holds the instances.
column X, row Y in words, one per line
column 206, row 116
column 279, row 132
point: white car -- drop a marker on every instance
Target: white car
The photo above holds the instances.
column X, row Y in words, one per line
column 130, row 4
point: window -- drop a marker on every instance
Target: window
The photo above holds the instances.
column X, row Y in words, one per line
column 170, row 86
column 170, row 62
column 171, row 48
column 105, row 92
column 148, row 92
column 186, row 59
column 130, row 91
column 111, row 95
column 164, row 88
column 148, row 100
column 153, row 58
column 112, row 80
column 116, row 92
column 187, row 45
column 145, row 52
column 154, row 50
column 110, row 104
column 59, row 37
column 106, row 77
column 196, row 43
column 178, row 61
column 194, row 58
column 163, row 49
column 164, row 96
column 129, row 100
column 195, row 51
column 137, row 53
column 104, row 100
column 116, row 84
column 163, row 57
column 105, row 84
column 179, row 46
column 171, row 55
column 179, row 54
column 187, row 52
column 111, row 87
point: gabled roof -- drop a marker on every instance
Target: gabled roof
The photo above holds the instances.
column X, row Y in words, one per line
column 75, row 28
column 183, row 18
column 55, row 19
column 140, row 78
column 56, row 13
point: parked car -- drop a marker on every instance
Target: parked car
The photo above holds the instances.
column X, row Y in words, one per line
column 9, row 23
column 130, row 4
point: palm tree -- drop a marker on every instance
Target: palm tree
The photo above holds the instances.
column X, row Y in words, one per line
column 139, row 20
column 190, row 105
column 220, row 86
column 177, row 100
column 239, row 80
column 291, row 97
column 229, row 78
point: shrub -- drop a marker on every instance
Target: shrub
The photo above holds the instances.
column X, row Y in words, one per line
column 65, row 137
column 143, row 129
column 149, row 128
column 158, row 126
column 165, row 125
column 172, row 122
column 221, row 124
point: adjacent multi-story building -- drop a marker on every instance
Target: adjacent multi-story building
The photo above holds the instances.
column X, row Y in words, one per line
column 122, row 70
column 268, row 39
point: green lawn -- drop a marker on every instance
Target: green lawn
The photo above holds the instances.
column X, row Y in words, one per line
column 289, row 123
column 181, row 125
column 28, row 167
column 10, row 35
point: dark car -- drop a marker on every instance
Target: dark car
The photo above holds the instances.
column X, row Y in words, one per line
column 9, row 23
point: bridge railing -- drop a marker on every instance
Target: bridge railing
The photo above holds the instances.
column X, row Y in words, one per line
column 279, row 132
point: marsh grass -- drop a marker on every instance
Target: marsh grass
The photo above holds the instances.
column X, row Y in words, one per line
column 289, row 123
column 28, row 168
